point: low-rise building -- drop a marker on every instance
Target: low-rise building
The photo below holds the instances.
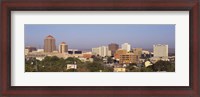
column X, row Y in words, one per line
column 147, row 63
column 75, row 55
column 41, row 55
column 86, row 59
column 31, row 48
column 137, row 51
column 119, row 69
column 155, row 59
column 26, row 51
column 118, row 53
column 87, row 55
column 40, row 50
column 128, row 58
column 71, row 66
column 37, row 55
column 145, row 52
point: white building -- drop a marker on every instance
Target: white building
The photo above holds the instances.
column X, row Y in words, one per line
column 71, row 66
column 26, row 51
column 126, row 46
column 145, row 52
column 86, row 59
column 160, row 50
column 147, row 63
column 95, row 51
column 101, row 51
column 87, row 53
column 40, row 50
column 72, row 49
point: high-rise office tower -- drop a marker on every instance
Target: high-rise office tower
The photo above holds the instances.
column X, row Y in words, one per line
column 126, row 47
column 63, row 48
column 160, row 50
column 113, row 47
column 49, row 44
column 101, row 51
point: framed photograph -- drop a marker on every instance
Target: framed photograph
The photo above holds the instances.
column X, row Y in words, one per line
column 139, row 48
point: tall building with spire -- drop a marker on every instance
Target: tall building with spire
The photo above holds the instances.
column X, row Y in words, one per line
column 49, row 44
column 63, row 48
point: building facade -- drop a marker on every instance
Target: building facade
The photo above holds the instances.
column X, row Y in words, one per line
column 119, row 69
column 160, row 50
column 118, row 53
column 113, row 47
column 147, row 63
column 30, row 49
column 95, row 51
column 71, row 66
column 49, row 44
column 126, row 46
column 137, row 51
column 128, row 58
column 101, row 51
column 63, row 48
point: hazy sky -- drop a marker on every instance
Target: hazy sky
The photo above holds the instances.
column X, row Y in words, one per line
column 87, row 36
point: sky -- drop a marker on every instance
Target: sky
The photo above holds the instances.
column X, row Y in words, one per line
column 87, row 36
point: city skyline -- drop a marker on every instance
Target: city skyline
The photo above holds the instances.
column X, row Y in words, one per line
column 87, row 36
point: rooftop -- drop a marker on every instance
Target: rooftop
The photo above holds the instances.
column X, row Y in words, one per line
column 49, row 36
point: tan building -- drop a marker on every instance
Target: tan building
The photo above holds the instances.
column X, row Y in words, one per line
column 63, row 48
column 38, row 55
column 49, row 44
column 119, row 69
column 87, row 55
column 26, row 51
column 160, row 50
column 118, row 53
column 128, row 58
column 113, row 48
column 137, row 51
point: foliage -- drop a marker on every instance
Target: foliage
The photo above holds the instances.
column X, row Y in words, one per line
column 107, row 69
column 110, row 60
column 95, row 67
column 55, row 64
column 71, row 70
column 29, row 68
column 132, row 68
column 163, row 66
column 146, row 69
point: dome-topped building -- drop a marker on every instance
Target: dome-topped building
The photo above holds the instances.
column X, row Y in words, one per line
column 63, row 48
column 49, row 44
column 49, row 36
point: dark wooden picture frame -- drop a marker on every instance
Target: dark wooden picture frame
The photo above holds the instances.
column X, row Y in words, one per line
column 193, row 90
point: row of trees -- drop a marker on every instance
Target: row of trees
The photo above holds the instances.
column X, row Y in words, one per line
column 55, row 64
column 159, row 66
